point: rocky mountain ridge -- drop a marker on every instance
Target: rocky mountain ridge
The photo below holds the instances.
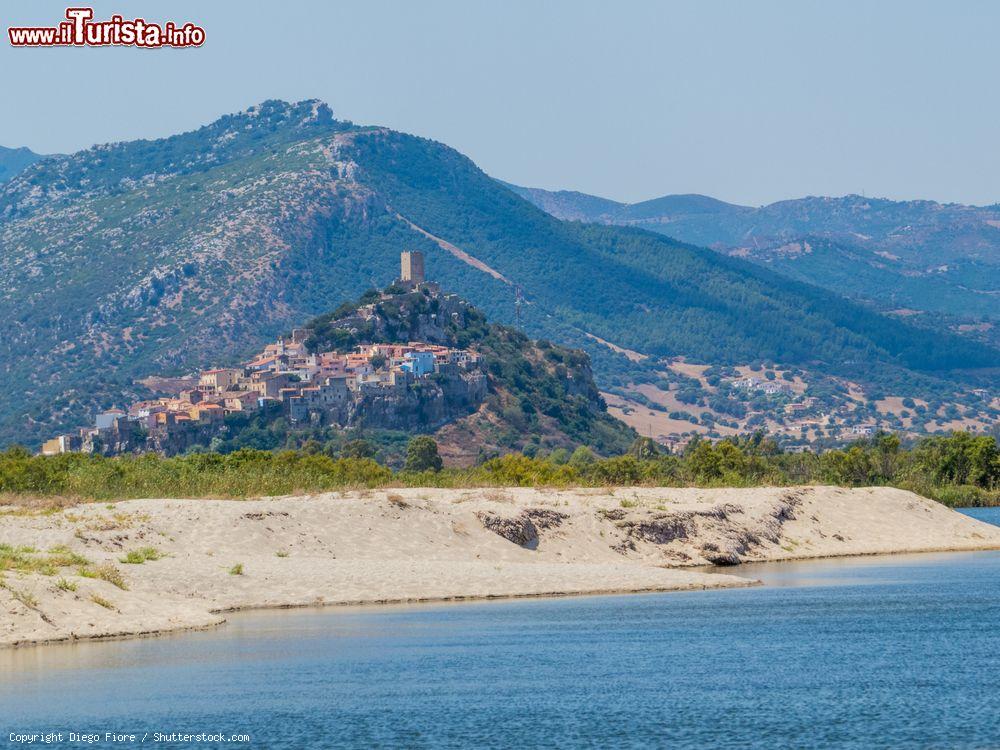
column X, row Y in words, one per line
column 163, row 257
column 15, row 160
column 939, row 262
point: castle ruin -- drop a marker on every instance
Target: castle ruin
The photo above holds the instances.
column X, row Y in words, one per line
column 411, row 267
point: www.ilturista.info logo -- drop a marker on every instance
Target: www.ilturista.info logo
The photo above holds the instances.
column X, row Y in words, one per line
column 80, row 30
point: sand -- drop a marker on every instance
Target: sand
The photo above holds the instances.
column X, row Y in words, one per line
column 418, row 545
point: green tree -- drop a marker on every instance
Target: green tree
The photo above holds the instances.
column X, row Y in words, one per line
column 960, row 458
column 559, row 456
column 886, row 447
column 704, row 462
column 582, row 456
column 422, row 455
column 852, row 467
column 644, row 449
column 359, row 448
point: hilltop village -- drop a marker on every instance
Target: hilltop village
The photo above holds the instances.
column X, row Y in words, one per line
column 413, row 386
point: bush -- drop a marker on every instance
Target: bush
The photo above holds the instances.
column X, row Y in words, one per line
column 519, row 470
column 644, row 448
column 582, row 456
column 422, row 455
column 358, row 449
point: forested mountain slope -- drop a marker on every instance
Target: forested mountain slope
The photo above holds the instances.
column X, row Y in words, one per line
column 165, row 256
column 937, row 263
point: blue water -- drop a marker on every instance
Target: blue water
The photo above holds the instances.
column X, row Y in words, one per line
column 894, row 652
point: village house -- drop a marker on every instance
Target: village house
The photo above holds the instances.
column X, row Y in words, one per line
column 768, row 387
column 216, row 381
column 61, row 444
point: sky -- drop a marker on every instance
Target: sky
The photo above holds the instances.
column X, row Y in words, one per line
column 750, row 102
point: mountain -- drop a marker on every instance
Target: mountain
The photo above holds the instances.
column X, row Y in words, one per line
column 574, row 206
column 966, row 289
column 922, row 231
column 921, row 257
column 15, row 160
column 167, row 256
column 568, row 205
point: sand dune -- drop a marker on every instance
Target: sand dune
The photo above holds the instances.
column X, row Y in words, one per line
column 424, row 545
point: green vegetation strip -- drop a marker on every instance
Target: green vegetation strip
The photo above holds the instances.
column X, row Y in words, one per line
column 959, row 469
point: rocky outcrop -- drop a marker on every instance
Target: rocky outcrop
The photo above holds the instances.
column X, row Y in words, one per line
column 420, row 406
column 732, row 534
column 518, row 529
column 523, row 528
column 662, row 528
column 546, row 518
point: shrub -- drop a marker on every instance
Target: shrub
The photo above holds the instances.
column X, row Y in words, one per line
column 582, row 456
column 422, row 455
column 515, row 469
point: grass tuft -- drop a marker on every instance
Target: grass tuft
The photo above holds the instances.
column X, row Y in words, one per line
column 106, row 572
column 25, row 597
column 141, row 555
column 97, row 599
column 26, row 559
column 236, row 570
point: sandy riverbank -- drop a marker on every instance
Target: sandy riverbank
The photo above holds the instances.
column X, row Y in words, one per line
column 424, row 545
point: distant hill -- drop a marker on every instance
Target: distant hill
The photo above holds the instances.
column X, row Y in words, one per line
column 541, row 395
column 917, row 230
column 162, row 257
column 15, row 160
column 921, row 256
column 569, row 205
column 498, row 391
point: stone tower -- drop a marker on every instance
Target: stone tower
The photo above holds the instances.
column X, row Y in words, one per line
column 412, row 267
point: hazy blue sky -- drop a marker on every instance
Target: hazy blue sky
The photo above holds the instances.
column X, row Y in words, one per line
column 747, row 101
